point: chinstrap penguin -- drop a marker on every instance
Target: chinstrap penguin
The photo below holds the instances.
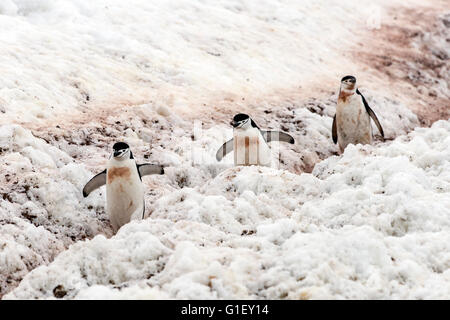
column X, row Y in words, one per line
column 250, row 142
column 124, row 189
column 351, row 123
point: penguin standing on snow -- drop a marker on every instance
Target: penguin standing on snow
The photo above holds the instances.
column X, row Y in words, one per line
column 124, row 189
column 250, row 142
column 351, row 123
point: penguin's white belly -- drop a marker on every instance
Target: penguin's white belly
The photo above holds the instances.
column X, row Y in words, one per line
column 250, row 148
column 353, row 122
column 124, row 195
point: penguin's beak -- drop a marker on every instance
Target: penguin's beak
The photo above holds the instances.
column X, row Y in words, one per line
column 234, row 123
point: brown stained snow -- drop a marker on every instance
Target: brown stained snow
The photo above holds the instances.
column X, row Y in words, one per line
column 410, row 53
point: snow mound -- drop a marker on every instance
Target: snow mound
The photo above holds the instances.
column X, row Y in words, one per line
column 41, row 211
column 371, row 224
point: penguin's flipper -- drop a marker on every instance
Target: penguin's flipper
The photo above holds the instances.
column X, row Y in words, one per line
column 96, row 182
column 334, row 130
column 254, row 125
column 375, row 119
column 371, row 114
column 226, row 148
column 277, row 136
column 148, row 168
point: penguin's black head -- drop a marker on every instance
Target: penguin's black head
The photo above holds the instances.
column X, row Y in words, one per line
column 121, row 150
column 348, row 79
column 348, row 82
column 239, row 120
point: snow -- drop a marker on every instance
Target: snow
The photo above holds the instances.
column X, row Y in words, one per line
column 167, row 78
column 374, row 229
column 71, row 55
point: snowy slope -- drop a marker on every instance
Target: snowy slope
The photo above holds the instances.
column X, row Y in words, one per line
column 167, row 77
column 374, row 229
column 67, row 58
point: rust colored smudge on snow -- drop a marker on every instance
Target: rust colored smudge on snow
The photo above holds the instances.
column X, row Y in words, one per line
column 402, row 51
